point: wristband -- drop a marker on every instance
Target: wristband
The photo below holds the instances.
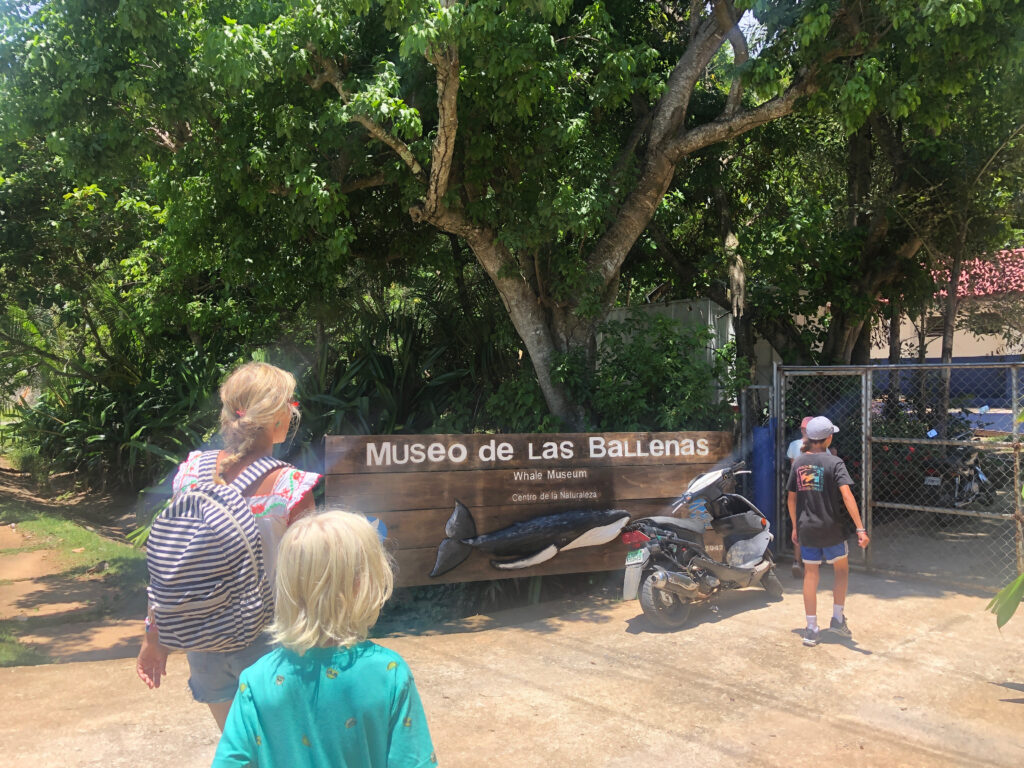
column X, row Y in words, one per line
column 150, row 624
column 862, row 530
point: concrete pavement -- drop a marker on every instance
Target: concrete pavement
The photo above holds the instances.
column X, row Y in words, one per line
column 929, row 681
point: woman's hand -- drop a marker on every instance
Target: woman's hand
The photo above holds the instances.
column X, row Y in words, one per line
column 863, row 539
column 152, row 662
column 796, row 539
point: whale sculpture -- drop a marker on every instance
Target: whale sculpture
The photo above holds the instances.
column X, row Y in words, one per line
column 529, row 542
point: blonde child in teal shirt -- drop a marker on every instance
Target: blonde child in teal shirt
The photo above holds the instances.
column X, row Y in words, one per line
column 328, row 697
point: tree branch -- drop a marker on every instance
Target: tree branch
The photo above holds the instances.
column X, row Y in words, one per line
column 725, row 14
column 377, row 180
column 995, row 154
column 330, row 74
column 446, row 64
column 724, row 129
column 670, row 113
column 641, row 127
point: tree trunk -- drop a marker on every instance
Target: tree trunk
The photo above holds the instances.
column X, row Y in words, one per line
column 861, row 354
column 544, row 334
column 859, row 149
column 746, row 359
column 845, row 327
column 892, row 398
column 949, row 326
column 951, row 305
column 895, row 318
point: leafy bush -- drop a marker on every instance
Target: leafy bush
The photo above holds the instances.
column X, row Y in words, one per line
column 25, row 458
column 518, row 405
column 654, row 374
column 117, row 432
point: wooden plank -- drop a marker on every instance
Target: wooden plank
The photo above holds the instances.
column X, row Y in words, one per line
column 391, row 454
column 600, row 488
column 413, row 529
column 411, row 483
column 413, row 565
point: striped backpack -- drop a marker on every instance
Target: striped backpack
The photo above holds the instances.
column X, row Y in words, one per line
column 208, row 586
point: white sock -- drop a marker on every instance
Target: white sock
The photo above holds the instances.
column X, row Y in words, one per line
column 812, row 622
column 837, row 613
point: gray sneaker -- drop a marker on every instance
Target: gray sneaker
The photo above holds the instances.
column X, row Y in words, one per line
column 840, row 628
column 810, row 637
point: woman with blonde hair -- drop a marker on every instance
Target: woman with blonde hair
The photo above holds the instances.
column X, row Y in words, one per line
column 257, row 412
column 328, row 697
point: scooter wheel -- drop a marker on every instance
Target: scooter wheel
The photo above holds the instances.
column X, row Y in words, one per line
column 772, row 585
column 661, row 608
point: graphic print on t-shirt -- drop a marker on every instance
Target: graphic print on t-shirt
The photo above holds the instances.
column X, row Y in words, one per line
column 810, row 478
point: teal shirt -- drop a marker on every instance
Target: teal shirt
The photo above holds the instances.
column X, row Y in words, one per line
column 354, row 707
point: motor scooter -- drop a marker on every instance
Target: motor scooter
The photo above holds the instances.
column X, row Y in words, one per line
column 675, row 562
column 957, row 481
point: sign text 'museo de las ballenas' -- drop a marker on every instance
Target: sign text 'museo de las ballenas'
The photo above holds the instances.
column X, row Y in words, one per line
column 387, row 453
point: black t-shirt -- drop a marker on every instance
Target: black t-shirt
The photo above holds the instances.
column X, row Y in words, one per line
column 815, row 478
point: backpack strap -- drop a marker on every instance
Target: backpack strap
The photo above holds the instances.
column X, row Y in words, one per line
column 207, row 466
column 259, row 468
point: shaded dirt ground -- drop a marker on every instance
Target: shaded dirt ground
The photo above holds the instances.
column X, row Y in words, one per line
column 929, row 681
column 59, row 612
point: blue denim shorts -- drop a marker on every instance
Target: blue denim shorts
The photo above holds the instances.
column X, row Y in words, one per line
column 814, row 555
column 213, row 675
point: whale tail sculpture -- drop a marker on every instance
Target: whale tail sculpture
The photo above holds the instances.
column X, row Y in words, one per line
column 453, row 549
column 527, row 543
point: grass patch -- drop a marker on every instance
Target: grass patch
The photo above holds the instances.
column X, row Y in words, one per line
column 119, row 568
column 14, row 654
column 125, row 565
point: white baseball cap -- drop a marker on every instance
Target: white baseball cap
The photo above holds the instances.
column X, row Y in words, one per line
column 820, row 427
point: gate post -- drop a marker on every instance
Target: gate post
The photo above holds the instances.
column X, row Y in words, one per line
column 1018, row 515
column 867, row 382
column 779, row 405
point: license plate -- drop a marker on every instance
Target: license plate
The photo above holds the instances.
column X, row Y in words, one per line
column 933, row 481
column 635, row 556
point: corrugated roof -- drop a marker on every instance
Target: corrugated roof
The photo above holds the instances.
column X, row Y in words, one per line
column 988, row 277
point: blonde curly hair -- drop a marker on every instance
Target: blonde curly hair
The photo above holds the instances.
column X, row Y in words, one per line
column 252, row 397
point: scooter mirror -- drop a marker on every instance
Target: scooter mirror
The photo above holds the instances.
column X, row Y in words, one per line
column 701, row 482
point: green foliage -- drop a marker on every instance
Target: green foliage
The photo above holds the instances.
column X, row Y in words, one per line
column 517, row 405
column 181, row 186
column 653, row 374
column 24, row 457
column 1007, row 601
column 130, row 435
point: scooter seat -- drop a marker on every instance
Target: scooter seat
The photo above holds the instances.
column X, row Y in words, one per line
column 678, row 523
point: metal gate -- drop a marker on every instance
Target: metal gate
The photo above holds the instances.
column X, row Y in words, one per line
column 934, row 453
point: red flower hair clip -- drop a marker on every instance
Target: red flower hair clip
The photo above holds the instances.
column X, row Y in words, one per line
column 294, row 403
column 240, row 413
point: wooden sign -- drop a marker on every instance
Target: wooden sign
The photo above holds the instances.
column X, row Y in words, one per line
column 533, row 504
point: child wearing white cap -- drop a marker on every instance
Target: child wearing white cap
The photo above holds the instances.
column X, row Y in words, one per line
column 819, row 489
column 792, row 453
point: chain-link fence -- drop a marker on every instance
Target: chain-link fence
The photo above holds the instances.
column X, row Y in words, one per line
column 934, row 453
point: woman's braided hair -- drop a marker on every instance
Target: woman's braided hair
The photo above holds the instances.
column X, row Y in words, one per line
column 251, row 398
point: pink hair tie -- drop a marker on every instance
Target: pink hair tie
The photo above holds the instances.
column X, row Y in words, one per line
column 240, row 413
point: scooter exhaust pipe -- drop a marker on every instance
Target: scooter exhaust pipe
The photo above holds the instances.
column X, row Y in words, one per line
column 678, row 583
column 743, row 577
